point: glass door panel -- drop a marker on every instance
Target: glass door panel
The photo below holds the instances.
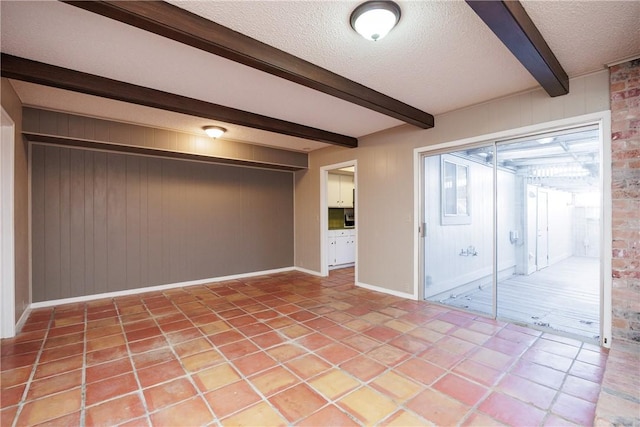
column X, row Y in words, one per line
column 548, row 228
column 459, row 229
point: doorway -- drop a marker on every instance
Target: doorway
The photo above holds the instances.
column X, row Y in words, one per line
column 7, row 258
column 339, row 213
column 542, row 229
column 508, row 228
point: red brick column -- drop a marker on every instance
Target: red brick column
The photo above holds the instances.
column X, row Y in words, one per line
column 625, row 157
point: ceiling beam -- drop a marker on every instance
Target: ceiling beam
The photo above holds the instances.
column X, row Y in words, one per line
column 14, row 67
column 185, row 27
column 513, row 26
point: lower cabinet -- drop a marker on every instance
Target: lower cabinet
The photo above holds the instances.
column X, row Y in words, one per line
column 342, row 247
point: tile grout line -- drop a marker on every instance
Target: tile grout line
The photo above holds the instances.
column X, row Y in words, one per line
column 188, row 374
column 566, row 373
column 294, row 291
column 559, row 390
column 264, row 398
column 290, row 341
column 83, row 392
column 490, row 389
column 33, row 371
column 363, row 383
column 133, row 366
column 548, row 412
column 367, row 383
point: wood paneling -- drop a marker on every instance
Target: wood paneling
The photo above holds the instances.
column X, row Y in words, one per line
column 106, row 222
column 66, row 129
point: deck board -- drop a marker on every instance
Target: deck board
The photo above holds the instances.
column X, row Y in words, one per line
column 563, row 297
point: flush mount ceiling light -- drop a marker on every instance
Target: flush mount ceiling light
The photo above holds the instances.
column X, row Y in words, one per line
column 214, row 131
column 374, row 19
column 546, row 140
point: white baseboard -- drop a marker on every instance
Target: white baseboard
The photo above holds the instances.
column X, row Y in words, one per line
column 387, row 291
column 311, row 272
column 23, row 319
column 115, row 294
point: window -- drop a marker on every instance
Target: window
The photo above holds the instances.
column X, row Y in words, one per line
column 455, row 193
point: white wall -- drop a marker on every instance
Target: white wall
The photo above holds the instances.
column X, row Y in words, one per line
column 386, row 226
column 586, row 225
column 560, row 225
column 7, row 257
column 447, row 265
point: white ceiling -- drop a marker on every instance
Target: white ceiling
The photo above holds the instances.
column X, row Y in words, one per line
column 440, row 57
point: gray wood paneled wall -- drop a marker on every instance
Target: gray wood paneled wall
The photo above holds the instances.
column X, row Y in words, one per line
column 80, row 131
column 106, row 222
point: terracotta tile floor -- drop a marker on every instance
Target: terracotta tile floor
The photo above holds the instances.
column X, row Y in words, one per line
column 289, row 349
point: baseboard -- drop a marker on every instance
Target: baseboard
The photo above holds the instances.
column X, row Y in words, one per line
column 311, row 272
column 115, row 294
column 339, row 266
column 23, row 319
column 387, row 291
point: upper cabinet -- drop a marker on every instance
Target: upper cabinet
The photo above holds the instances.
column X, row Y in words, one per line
column 340, row 191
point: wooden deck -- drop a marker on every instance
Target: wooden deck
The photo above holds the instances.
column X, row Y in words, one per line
column 564, row 297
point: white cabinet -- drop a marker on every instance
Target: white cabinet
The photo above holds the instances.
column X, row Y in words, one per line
column 342, row 247
column 346, row 190
column 340, row 191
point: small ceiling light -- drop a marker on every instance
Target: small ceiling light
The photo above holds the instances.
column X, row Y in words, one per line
column 547, row 140
column 214, row 131
column 374, row 19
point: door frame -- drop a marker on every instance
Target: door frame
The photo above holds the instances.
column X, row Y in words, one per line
column 324, row 212
column 603, row 120
column 7, row 242
column 542, row 217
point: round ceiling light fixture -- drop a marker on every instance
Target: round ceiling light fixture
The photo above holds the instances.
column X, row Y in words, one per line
column 214, row 131
column 374, row 19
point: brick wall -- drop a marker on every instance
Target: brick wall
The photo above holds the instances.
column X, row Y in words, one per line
column 625, row 156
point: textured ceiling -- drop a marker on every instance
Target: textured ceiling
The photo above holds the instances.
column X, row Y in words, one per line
column 437, row 49
column 440, row 57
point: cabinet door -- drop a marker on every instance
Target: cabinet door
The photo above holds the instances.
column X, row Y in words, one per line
column 333, row 191
column 351, row 249
column 342, row 250
column 346, row 191
column 331, row 249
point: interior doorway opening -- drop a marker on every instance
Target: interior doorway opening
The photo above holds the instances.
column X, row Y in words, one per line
column 514, row 230
column 7, row 257
column 339, row 214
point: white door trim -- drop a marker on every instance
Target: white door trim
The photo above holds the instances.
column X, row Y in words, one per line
column 324, row 213
column 7, row 243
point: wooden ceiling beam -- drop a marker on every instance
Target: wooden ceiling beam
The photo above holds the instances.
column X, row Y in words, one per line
column 14, row 67
column 185, row 27
column 513, row 26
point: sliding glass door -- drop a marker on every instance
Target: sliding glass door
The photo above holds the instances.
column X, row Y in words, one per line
column 458, row 252
column 513, row 230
